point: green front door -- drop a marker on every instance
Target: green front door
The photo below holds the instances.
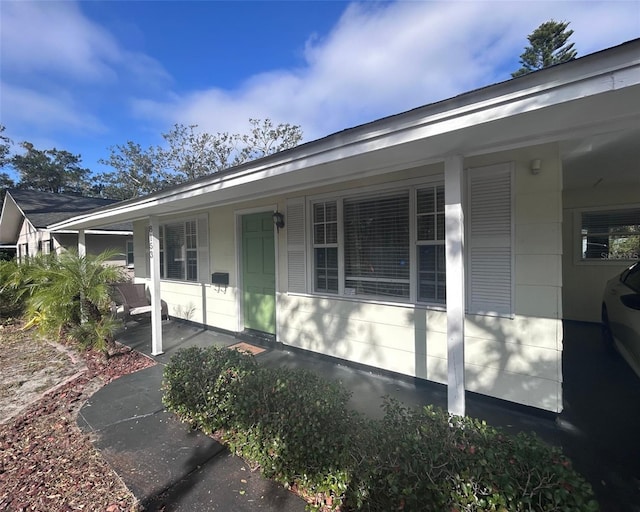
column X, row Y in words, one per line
column 258, row 273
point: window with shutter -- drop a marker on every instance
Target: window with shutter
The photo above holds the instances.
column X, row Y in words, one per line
column 490, row 240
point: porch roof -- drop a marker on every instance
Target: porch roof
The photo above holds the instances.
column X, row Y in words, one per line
column 595, row 94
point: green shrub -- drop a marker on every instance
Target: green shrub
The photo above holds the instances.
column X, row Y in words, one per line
column 424, row 459
column 199, row 385
column 297, row 428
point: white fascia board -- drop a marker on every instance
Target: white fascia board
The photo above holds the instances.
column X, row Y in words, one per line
column 577, row 80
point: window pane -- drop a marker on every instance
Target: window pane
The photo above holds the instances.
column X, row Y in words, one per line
column 426, row 203
column 332, row 233
column 318, row 212
column 331, row 211
column 611, row 234
column 175, row 250
column 426, row 227
column 440, row 226
column 192, row 265
column 377, row 246
column 326, row 269
column 431, row 273
column 318, row 234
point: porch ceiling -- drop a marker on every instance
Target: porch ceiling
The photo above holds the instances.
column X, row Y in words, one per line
column 611, row 158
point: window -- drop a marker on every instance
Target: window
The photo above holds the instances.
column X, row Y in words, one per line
column 377, row 246
column 430, row 244
column 179, row 251
column 129, row 253
column 325, row 246
column 610, row 235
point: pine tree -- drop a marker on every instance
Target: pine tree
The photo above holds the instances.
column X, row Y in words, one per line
column 548, row 46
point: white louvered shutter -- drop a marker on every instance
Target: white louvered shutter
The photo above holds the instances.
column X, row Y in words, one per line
column 490, row 240
column 296, row 259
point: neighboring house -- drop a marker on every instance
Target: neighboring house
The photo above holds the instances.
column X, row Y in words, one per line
column 446, row 243
column 27, row 214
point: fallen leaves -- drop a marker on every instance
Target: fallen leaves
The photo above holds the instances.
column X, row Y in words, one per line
column 46, row 462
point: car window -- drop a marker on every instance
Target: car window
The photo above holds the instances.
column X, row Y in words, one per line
column 632, row 280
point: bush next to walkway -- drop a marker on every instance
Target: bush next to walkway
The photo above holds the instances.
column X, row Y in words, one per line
column 298, row 429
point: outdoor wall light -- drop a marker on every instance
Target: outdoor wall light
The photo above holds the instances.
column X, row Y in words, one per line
column 535, row 166
column 278, row 220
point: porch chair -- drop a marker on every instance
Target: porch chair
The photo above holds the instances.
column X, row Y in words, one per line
column 132, row 297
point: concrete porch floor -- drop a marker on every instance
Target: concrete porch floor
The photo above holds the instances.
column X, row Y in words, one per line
column 599, row 428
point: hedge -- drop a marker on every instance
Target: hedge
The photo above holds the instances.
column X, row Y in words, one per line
column 298, row 429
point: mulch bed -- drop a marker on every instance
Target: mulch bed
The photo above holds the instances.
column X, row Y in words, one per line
column 47, row 463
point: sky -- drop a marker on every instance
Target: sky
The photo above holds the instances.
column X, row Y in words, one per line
column 85, row 76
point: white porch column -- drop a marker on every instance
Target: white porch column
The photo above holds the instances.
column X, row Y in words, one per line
column 154, row 287
column 454, row 247
column 82, row 243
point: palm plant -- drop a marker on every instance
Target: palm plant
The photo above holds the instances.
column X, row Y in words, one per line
column 15, row 280
column 70, row 291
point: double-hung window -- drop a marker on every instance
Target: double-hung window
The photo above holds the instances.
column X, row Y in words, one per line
column 389, row 245
column 179, row 251
column 430, row 244
column 325, row 246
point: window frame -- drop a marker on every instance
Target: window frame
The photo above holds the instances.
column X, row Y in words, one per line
column 127, row 252
column 192, row 253
column 411, row 187
column 577, row 233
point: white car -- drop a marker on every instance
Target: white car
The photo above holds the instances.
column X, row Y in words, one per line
column 621, row 314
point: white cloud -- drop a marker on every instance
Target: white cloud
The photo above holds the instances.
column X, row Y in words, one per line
column 57, row 64
column 55, row 37
column 21, row 106
column 385, row 58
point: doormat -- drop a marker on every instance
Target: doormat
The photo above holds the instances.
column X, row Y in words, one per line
column 246, row 347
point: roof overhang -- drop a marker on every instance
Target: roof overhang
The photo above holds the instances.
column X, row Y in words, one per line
column 596, row 94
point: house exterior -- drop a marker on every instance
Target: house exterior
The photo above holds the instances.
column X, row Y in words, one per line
column 446, row 243
column 27, row 214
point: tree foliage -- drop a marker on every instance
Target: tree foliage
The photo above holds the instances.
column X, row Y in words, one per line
column 190, row 154
column 548, row 46
column 138, row 171
column 5, row 149
column 51, row 170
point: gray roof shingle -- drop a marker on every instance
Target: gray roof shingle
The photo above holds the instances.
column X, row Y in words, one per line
column 45, row 208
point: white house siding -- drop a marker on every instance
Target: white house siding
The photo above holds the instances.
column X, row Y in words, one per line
column 584, row 281
column 520, row 358
column 514, row 358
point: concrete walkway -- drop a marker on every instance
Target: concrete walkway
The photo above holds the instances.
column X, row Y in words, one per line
column 171, row 468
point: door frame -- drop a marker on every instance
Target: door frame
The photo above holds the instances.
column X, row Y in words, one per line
column 238, row 214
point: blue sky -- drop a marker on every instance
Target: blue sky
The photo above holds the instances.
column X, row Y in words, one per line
column 84, row 76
